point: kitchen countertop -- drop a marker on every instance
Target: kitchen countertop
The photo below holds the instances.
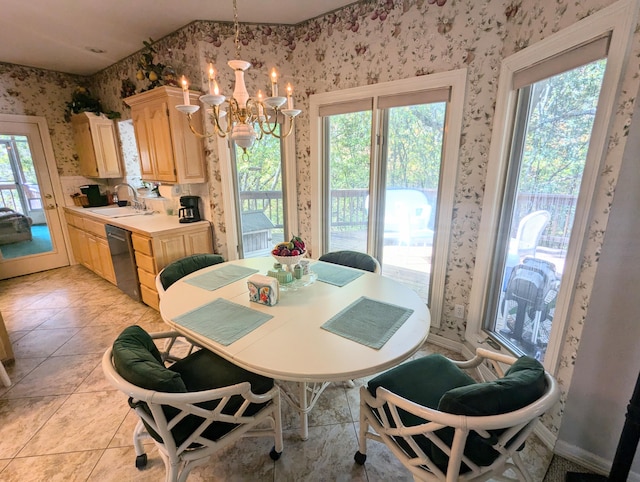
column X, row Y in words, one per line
column 145, row 224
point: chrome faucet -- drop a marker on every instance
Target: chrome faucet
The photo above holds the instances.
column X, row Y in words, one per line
column 133, row 191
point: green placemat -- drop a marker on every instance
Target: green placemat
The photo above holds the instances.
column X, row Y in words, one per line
column 220, row 277
column 223, row 321
column 368, row 321
column 335, row 274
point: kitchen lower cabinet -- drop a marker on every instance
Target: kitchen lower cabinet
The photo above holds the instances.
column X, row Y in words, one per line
column 154, row 253
column 89, row 244
column 157, row 243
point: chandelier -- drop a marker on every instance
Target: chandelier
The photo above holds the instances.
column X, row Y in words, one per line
column 244, row 114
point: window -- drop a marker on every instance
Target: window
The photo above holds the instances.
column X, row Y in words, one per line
column 385, row 174
column 551, row 135
column 259, row 197
column 554, row 104
column 260, row 190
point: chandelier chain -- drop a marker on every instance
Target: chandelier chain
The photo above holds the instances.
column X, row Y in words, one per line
column 236, row 26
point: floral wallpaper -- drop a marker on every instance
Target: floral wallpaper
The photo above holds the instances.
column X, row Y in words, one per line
column 28, row 91
column 368, row 42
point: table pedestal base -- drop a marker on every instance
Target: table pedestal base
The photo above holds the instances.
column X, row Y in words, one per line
column 304, row 401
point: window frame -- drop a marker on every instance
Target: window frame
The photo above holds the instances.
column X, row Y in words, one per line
column 618, row 21
column 455, row 80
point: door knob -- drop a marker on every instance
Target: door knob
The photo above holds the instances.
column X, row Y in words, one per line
column 48, row 196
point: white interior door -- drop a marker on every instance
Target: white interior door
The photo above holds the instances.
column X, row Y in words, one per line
column 31, row 235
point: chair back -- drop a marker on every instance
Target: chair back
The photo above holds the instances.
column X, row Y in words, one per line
column 530, row 230
column 353, row 259
column 182, row 267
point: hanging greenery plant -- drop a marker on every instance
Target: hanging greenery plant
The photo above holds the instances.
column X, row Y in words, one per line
column 156, row 74
column 83, row 101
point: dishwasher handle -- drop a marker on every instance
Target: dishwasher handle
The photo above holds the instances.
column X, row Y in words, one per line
column 115, row 236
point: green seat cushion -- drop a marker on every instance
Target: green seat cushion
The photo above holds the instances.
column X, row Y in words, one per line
column 184, row 266
column 204, row 370
column 423, row 381
column 137, row 360
column 353, row 259
column 522, row 385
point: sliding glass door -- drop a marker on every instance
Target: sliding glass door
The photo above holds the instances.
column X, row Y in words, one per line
column 348, row 147
column 383, row 158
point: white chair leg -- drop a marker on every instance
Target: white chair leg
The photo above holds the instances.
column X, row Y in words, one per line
column 4, row 377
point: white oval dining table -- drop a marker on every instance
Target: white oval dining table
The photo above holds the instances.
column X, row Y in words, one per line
column 292, row 346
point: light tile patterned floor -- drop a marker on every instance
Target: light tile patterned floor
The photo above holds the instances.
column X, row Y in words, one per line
column 61, row 420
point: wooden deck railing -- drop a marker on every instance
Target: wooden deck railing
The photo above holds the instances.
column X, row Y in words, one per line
column 349, row 211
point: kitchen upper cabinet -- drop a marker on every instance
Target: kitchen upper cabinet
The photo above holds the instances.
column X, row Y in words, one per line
column 168, row 150
column 97, row 145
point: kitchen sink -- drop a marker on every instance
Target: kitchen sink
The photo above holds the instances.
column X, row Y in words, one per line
column 117, row 212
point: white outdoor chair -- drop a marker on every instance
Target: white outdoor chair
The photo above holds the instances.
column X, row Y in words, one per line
column 199, row 405
column 530, row 229
column 456, row 429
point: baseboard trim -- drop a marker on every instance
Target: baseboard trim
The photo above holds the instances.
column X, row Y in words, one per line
column 588, row 460
column 545, row 435
column 443, row 342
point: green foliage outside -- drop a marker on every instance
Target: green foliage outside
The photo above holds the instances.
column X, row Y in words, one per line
column 561, row 114
column 258, row 171
column 24, row 157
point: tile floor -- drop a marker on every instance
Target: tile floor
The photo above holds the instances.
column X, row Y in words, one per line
column 61, row 421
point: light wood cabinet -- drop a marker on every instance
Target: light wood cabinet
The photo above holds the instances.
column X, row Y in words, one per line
column 97, row 145
column 154, row 253
column 90, row 246
column 168, row 150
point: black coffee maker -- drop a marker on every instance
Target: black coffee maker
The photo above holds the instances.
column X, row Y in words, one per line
column 189, row 212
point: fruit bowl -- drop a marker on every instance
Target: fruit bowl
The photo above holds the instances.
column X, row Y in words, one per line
column 288, row 261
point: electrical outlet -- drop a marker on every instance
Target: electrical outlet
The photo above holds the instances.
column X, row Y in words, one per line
column 458, row 311
column 176, row 189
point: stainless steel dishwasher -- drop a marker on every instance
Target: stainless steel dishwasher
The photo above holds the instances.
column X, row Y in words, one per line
column 124, row 261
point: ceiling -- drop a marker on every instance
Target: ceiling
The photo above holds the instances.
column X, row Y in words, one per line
column 59, row 34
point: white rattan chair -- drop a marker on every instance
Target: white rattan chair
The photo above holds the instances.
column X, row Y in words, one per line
column 188, row 427
column 438, row 446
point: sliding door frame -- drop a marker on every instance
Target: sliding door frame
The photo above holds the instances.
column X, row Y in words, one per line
column 454, row 80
